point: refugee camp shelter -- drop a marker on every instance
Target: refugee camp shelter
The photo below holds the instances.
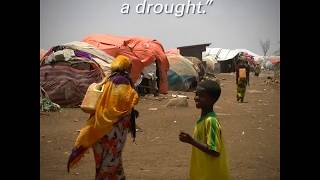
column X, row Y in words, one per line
column 212, row 66
column 227, row 57
column 193, row 50
column 42, row 53
column 182, row 75
column 141, row 51
column 67, row 70
column 198, row 66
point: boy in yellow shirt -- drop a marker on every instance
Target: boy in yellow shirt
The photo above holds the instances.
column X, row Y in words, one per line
column 208, row 159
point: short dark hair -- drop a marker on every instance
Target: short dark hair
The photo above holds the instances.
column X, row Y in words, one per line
column 211, row 87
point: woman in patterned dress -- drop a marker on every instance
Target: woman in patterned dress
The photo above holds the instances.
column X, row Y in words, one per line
column 106, row 130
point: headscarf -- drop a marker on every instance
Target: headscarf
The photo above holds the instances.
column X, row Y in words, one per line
column 116, row 102
column 120, row 64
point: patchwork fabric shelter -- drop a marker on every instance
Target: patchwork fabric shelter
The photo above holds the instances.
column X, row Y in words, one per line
column 66, row 71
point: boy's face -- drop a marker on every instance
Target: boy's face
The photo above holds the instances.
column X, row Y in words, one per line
column 203, row 100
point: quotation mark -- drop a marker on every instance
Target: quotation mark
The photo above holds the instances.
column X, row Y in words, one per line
column 209, row 2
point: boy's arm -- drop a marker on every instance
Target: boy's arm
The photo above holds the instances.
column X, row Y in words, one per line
column 184, row 137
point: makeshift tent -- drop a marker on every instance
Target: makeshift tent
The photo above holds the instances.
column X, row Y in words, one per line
column 182, row 76
column 227, row 58
column 172, row 51
column 275, row 59
column 198, row 66
column 142, row 51
column 147, row 84
column 267, row 62
column 212, row 65
column 250, row 59
column 42, row 53
column 66, row 71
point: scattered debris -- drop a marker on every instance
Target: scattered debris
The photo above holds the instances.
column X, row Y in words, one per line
column 46, row 105
column 153, row 109
column 179, row 96
column 144, row 169
column 155, row 139
column 260, row 128
column 254, row 91
column 179, row 101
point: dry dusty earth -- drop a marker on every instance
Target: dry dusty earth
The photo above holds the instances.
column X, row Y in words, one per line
column 251, row 130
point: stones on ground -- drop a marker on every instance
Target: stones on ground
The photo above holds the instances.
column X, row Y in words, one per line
column 179, row 96
column 254, row 91
column 155, row 139
column 153, row 109
column 178, row 102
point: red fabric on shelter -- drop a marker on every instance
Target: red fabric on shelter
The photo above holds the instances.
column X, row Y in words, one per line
column 141, row 51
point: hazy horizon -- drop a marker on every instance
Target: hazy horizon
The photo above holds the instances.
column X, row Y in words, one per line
column 228, row 24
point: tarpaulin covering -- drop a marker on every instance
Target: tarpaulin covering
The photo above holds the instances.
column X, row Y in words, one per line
column 66, row 85
column 42, row 53
column 250, row 59
column 212, row 65
column 275, row 59
column 182, row 75
column 140, row 50
column 66, row 71
column 172, row 51
column 198, row 65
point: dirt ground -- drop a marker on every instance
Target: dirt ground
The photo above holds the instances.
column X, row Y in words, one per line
column 251, row 131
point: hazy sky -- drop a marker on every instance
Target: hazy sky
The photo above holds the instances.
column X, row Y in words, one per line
column 233, row 24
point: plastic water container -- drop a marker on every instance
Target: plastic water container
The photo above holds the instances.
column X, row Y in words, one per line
column 242, row 73
column 91, row 98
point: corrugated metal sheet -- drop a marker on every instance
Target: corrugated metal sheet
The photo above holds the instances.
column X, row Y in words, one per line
column 225, row 54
